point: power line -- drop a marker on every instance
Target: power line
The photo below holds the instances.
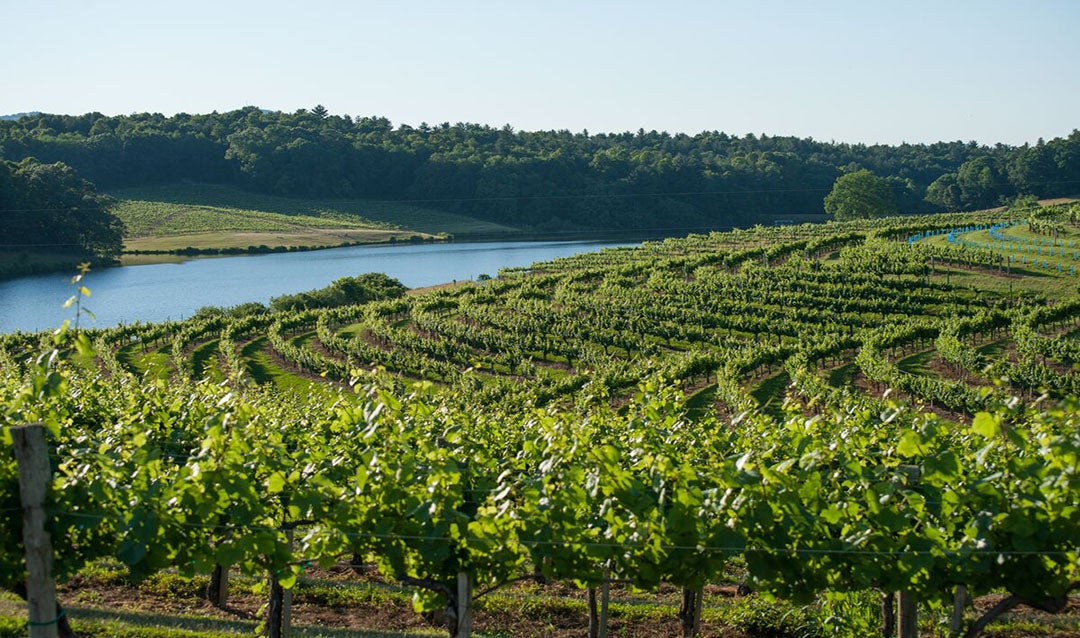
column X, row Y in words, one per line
column 39, row 245
column 34, row 210
column 571, row 196
column 497, row 236
column 733, row 549
column 614, row 233
column 492, row 237
column 635, row 234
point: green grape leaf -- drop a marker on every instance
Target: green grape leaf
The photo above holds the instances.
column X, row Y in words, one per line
column 984, row 424
column 275, row 483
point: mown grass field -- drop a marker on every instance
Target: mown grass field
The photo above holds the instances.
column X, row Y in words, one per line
column 178, row 216
column 310, row 238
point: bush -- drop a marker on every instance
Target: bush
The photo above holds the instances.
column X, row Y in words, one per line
column 765, row 619
column 343, row 292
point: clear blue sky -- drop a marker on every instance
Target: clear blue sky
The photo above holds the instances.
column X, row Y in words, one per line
column 859, row 71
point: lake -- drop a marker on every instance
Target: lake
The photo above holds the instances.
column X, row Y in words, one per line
column 160, row 292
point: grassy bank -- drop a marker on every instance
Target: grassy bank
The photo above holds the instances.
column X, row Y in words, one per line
column 23, row 263
column 188, row 208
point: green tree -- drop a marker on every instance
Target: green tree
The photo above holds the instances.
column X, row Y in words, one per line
column 981, row 183
column 52, row 208
column 859, row 195
column 944, row 192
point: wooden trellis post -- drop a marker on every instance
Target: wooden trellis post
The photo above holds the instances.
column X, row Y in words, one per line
column 32, row 455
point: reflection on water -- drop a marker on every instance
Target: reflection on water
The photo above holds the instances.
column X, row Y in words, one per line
column 174, row 291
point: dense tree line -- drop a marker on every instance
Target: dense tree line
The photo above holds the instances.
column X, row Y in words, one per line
column 1046, row 169
column 50, row 208
column 543, row 180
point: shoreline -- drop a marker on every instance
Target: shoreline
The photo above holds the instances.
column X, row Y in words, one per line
column 146, row 257
column 175, row 291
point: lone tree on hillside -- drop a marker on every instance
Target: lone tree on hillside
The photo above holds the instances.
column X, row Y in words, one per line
column 859, row 195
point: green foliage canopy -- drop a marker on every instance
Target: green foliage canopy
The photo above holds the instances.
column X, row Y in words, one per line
column 540, row 180
column 345, row 291
column 48, row 206
column 859, row 195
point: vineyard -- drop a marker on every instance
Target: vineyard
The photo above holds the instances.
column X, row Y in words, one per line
column 859, row 421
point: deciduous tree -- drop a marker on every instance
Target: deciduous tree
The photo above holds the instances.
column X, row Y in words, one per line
column 859, row 195
column 50, row 207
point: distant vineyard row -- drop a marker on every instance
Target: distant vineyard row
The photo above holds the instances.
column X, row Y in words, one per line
column 642, row 414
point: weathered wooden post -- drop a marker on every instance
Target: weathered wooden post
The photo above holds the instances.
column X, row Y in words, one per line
column 279, row 609
column 908, row 616
column 907, row 607
column 32, row 455
column 464, row 605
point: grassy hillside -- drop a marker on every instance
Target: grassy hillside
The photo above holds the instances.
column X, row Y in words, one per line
column 202, row 215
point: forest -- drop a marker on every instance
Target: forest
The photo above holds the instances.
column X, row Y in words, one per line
column 535, row 180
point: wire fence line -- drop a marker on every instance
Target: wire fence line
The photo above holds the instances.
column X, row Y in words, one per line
column 953, row 553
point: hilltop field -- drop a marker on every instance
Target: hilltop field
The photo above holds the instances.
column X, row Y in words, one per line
column 762, row 432
column 202, row 218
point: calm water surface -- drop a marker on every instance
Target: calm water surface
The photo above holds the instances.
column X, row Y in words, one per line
column 175, row 291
